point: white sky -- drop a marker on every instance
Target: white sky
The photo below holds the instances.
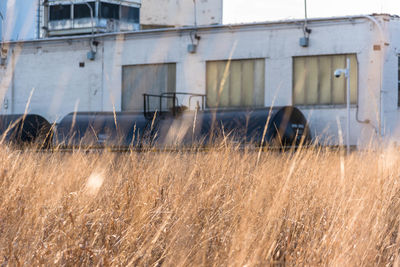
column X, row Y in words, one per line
column 237, row 11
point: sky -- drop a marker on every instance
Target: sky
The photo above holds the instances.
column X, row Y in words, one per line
column 235, row 11
column 239, row 11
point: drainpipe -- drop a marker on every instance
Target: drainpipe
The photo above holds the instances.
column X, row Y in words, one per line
column 38, row 20
column 2, row 28
column 381, row 92
column 2, row 56
column 195, row 13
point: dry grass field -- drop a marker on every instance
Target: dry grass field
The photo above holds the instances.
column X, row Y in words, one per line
column 224, row 207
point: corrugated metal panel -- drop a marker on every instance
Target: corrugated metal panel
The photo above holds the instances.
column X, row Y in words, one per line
column 314, row 83
column 236, row 83
column 146, row 79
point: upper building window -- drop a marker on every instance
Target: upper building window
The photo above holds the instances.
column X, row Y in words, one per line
column 60, row 12
column 315, row 84
column 236, row 83
column 83, row 11
column 130, row 14
column 109, row 11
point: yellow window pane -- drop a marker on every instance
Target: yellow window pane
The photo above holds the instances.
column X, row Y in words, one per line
column 259, row 82
column 235, row 83
column 247, row 82
column 325, row 79
column 311, row 81
column 223, row 83
column 212, row 82
column 299, row 81
column 314, row 82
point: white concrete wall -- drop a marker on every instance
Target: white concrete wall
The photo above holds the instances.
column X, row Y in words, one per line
column 391, row 118
column 52, row 68
column 180, row 12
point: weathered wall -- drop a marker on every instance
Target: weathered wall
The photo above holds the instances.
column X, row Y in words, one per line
column 180, row 12
column 51, row 67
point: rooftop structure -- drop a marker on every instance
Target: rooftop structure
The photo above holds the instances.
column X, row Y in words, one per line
column 72, row 17
column 178, row 13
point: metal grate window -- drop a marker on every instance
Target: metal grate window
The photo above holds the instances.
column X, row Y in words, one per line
column 60, row 12
column 315, row 84
column 109, row 11
column 130, row 14
column 236, row 83
column 83, row 11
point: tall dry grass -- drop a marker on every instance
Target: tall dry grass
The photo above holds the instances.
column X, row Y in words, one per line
column 221, row 207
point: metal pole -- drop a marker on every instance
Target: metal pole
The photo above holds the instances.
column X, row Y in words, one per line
column 2, row 27
column 38, row 20
column 305, row 29
column 91, row 17
column 347, row 74
column 305, row 13
column 2, row 56
column 195, row 13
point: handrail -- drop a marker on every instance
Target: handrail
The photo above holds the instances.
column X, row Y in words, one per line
column 192, row 95
column 168, row 95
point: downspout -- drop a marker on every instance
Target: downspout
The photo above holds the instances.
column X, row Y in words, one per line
column 382, row 43
column 38, row 20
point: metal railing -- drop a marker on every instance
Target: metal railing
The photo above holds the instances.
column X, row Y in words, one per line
column 176, row 107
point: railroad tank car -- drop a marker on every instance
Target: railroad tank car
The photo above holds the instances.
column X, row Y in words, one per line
column 24, row 129
column 171, row 126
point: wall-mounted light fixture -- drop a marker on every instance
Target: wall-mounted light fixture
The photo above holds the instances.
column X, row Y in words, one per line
column 195, row 40
column 194, row 37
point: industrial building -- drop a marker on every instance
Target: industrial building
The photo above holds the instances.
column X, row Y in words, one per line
column 45, row 18
column 237, row 66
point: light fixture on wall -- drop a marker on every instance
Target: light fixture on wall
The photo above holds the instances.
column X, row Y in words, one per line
column 192, row 47
column 194, row 39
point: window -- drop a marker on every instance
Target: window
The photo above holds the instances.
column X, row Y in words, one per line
column 130, row 14
column 315, row 84
column 146, row 79
column 109, row 11
column 83, row 11
column 235, row 83
column 60, row 12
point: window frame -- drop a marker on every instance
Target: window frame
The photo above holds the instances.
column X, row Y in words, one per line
column 320, row 105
